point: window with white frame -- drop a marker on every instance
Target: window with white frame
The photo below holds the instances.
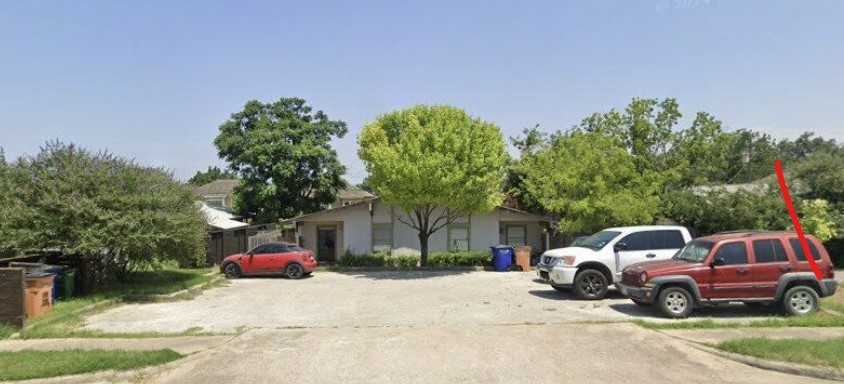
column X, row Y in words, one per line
column 215, row 201
column 458, row 238
column 516, row 235
column 382, row 237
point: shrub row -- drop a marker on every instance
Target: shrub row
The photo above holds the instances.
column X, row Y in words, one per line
column 440, row 259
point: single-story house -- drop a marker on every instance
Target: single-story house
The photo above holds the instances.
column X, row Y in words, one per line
column 371, row 226
column 218, row 193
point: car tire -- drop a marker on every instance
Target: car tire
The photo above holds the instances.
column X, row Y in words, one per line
column 560, row 289
column 294, row 271
column 800, row 301
column 641, row 303
column 232, row 271
column 675, row 302
column 590, row 284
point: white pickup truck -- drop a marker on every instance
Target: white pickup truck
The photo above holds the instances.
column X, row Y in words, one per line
column 590, row 265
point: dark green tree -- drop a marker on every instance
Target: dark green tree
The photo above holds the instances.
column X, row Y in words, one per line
column 106, row 210
column 282, row 152
column 212, row 174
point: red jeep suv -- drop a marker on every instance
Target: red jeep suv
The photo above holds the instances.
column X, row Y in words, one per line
column 756, row 268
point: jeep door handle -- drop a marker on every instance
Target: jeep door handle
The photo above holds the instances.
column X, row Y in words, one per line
column 650, row 255
column 785, row 269
column 742, row 271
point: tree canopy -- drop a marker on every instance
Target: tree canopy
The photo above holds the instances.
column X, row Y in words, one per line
column 99, row 207
column 590, row 181
column 282, row 152
column 436, row 163
column 211, row 174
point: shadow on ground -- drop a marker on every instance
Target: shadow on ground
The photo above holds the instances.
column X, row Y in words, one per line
column 553, row 294
column 402, row 275
column 725, row 311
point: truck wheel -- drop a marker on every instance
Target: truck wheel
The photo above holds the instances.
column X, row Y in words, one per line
column 800, row 301
column 590, row 284
column 675, row 302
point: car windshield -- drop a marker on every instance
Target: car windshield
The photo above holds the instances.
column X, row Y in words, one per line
column 694, row 252
column 598, row 240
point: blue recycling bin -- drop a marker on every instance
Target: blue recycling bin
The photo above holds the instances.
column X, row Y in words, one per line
column 502, row 258
column 54, row 270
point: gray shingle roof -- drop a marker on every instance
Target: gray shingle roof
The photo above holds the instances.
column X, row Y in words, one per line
column 217, row 187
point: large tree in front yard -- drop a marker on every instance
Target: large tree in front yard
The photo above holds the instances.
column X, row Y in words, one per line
column 282, row 152
column 590, row 181
column 110, row 212
column 436, row 163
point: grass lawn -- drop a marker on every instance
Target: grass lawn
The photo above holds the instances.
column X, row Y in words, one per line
column 820, row 319
column 807, row 352
column 41, row 364
column 67, row 316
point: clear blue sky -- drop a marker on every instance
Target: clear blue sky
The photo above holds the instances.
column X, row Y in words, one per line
column 153, row 80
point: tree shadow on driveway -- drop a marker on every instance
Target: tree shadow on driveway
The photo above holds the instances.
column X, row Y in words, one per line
column 402, row 275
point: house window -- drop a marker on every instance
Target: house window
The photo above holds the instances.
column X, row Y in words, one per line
column 215, row 201
column 382, row 237
column 516, row 235
column 458, row 238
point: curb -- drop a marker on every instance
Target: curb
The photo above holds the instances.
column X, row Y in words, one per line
column 824, row 373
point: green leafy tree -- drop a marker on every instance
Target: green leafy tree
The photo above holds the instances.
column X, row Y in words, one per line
column 212, row 174
column 590, row 181
column 718, row 210
column 108, row 211
column 700, row 152
column 816, row 218
column 436, row 163
column 529, row 143
column 283, row 153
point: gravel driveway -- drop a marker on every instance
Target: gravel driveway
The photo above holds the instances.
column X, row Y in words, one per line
column 379, row 299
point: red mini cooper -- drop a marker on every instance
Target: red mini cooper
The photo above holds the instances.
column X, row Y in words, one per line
column 270, row 259
column 756, row 268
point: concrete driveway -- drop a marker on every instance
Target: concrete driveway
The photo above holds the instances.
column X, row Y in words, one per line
column 377, row 299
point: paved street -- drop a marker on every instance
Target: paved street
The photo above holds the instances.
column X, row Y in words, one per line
column 423, row 327
column 368, row 299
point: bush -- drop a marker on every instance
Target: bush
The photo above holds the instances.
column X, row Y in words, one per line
column 460, row 259
column 441, row 259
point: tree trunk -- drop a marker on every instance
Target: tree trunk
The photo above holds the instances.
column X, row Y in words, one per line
column 423, row 249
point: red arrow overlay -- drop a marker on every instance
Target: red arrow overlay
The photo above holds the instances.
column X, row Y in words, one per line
column 796, row 221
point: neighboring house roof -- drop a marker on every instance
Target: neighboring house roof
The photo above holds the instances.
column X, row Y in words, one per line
column 374, row 199
column 217, row 188
column 220, row 219
column 354, row 192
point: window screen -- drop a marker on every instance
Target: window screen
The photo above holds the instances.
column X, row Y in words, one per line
column 382, row 237
column 516, row 235
column 769, row 251
column 458, row 239
column 732, row 253
column 798, row 249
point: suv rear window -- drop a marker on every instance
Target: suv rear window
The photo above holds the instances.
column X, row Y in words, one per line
column 732, row 253
column 798, row 249
column 769, row 251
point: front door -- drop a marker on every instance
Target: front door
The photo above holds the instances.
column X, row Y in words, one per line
column 327, row 243
column 732, row 279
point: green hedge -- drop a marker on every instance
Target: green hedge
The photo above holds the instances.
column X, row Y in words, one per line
column 440, row 259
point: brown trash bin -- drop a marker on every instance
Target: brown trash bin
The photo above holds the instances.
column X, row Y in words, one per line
column 38, row 296
column 523, row 257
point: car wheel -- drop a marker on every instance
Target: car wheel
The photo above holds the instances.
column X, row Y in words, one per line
column 641, row 303
column 560, row 289
column 232, row 271
column 800, row 300
column 675, row 302
column 294, row 271
column 590, row 285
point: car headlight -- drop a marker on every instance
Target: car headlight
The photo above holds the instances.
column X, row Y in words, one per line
column 643, row 277
column 568, row 260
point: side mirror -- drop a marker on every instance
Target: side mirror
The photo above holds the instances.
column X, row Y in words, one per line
column 717, row 262
column 621, row 247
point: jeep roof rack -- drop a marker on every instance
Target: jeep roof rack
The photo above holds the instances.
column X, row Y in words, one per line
column 750, row 232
